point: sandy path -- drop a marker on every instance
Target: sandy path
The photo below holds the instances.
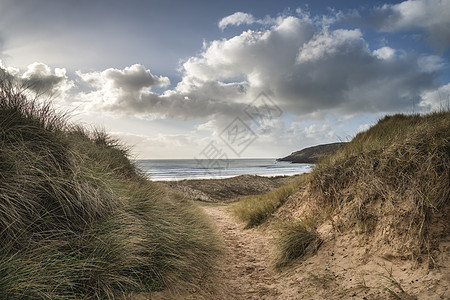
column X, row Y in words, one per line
column 247, row 272
column 341, row 269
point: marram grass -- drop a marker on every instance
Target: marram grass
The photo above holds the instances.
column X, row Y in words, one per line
column 395, row 174
column 295, row 239
column 78, row 221
column 255, row 210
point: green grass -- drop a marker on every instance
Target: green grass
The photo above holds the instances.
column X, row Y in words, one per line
column 295, row 239
column 78, row 221
column 255, row 210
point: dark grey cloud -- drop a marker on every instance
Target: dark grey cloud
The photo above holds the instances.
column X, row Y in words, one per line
column 336, row 71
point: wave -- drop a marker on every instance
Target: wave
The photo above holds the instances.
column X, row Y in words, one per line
column 181, row 169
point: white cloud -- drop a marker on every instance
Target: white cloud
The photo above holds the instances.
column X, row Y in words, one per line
column 133, row 78
column 384, row 53
column 315, row 132
column 236, row 19
column 329, row 44
column 438, row 99
column 10, row 70
column 40, row 78
column 241, row 18
column 306, row 71
column 128, row 92
column 431, row 16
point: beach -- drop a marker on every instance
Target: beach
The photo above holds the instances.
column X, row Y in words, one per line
column 191, row 169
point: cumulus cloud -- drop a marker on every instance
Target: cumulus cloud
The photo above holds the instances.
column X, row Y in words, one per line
column 306, row 70
column 41, row 79
column 336, row 71
column 8, row 71
column 236, row 19
column 133, row 78
column 384, row 53
column 128, row 91
column 430, row 16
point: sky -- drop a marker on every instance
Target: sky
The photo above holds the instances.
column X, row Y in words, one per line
column 236, row 79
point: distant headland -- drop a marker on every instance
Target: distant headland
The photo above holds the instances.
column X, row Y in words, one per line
column 311, row 155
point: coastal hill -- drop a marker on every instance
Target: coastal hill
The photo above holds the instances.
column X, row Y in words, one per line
column 312, row 155
column 370, row 221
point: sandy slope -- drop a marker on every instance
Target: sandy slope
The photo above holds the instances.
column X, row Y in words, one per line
column 342, row 269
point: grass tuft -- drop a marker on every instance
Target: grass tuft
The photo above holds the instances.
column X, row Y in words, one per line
column 294, row 242
column 254, row 210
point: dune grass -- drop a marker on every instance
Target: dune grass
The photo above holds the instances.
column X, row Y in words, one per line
column 394, row 177
column 78, row 221
column 398, row 171
column 256, row 209
column 293, row 242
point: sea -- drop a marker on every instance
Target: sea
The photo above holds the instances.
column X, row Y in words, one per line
column 180, row 169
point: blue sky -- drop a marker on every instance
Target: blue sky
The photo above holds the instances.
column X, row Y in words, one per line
column 169, row 77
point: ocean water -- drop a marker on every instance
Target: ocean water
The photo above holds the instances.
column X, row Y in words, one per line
column 180, row 169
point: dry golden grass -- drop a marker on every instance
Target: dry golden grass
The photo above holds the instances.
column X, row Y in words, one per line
column 256, row 209
column 398, row 171
column 77, row 221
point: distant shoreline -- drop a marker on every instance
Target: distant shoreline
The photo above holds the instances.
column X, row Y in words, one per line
column 192, row 169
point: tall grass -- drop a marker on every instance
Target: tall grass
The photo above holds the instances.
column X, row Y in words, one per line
column 294, row 241
column 392, row 180
column 77, row 221
column 403, row 165
column 254, row 210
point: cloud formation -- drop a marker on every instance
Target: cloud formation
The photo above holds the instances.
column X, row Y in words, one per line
column 438, row 99
column 430, row 16
column 128, row 91
column 305, row 70
column 240, row 18
column 236, row 19
column 131, row 79
column 41, row 79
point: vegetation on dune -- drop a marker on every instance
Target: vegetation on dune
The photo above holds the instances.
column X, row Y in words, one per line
column 255, row 209
column 294, row 241
column 395, row 175
column 391, row 183
column 78, row 221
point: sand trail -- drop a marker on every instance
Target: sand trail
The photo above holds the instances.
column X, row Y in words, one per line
column 247, row 272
